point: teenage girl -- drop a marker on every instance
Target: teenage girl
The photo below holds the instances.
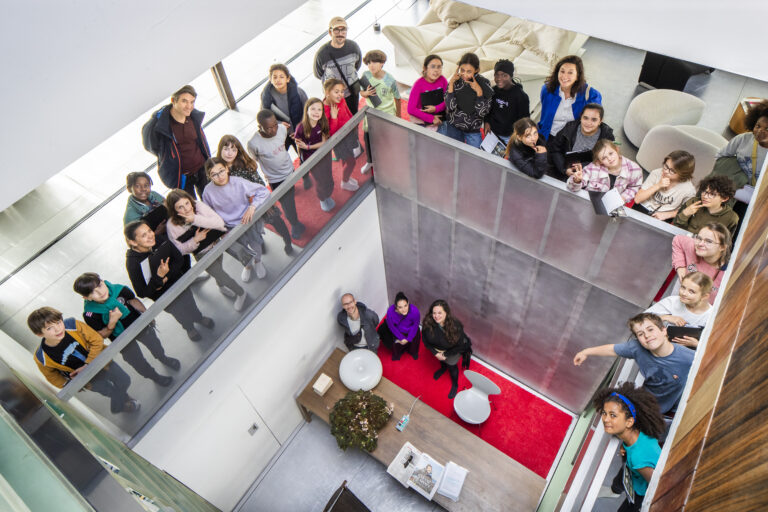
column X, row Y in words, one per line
column 337, row 112
column 431, row 79
column 632, row 414
column 689, row 308
column 310, row 134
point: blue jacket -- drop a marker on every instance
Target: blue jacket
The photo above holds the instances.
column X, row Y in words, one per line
column 551, row 100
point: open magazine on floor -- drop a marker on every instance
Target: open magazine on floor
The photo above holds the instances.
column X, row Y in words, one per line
column 425, row 475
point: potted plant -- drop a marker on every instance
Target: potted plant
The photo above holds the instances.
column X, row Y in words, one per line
column 357, row 418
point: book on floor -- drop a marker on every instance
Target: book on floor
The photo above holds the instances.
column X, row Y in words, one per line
column 417, row 470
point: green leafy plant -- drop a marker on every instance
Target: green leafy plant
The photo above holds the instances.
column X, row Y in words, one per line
column 357, row 418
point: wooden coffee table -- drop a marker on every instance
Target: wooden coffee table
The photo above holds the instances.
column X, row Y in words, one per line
column 495, row 482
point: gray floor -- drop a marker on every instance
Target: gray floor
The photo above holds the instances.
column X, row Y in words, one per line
column 312, row 467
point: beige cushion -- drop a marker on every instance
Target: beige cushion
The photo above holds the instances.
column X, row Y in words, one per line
column 661, row 140
column 454, row 13
column 657, row 107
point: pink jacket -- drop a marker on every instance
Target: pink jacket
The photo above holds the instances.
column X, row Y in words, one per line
column 205, row 218
column 595, row 177
column 684, row 255
column 414, row 100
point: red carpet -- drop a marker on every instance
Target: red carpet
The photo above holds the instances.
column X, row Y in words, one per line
column 521, row 425
column 307, row 204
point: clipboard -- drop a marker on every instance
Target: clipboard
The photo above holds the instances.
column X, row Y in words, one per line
column 432, row 98
column 674, row 331
column 577, row 157
column 364, row 84
column 155, row 216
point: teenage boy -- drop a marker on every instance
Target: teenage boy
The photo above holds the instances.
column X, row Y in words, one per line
column 153, row 268
column 665, row 365
column 578, row 135
column 68, row 346
column 268, row 147
column 340, row 58
column 109, row 309
column 174, row 134
column 382, row 86
column 509, row 102
column 710, row 205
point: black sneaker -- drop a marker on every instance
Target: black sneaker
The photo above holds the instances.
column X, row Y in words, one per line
column 439, row 372
column 193, row 334
column 207, row 322
column 163, row 380
column 172, row 363
column 454, row 389
column 297, row 230
column 131, row 405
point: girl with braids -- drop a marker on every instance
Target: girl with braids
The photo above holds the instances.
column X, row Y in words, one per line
column 443, row 335
column 632, row 414
column 241, row 165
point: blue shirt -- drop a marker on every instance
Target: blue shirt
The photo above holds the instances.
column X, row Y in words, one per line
column 665, row 377
column 644, row 453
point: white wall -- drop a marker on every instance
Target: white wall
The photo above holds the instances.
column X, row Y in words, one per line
column 75, row 72
column 722, row 34
column 202, row 441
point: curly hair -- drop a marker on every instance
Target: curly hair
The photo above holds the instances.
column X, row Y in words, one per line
column 754, row 113
column 132, row 177
column 452, row 326
column 648, row 419
column 553, row 83
column 719, row 184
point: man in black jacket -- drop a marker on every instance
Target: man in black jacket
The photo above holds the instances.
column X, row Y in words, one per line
column 359, row 324
column 577, row 136
column 174, row 134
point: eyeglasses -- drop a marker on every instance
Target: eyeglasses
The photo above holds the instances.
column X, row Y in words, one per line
column 705, row 241
column 339, row 30
column 709, row 193
column 217, row 174
column 668, row 169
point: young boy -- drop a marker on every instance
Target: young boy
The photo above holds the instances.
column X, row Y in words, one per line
column 267, row 146
column 384, row 87
column 509, row 103
column 665, row 365
column 67, row 347
column 710, row 205
column 109, row 309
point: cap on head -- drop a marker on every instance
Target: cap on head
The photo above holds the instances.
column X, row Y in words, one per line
column 337, row 21
column 505, row 66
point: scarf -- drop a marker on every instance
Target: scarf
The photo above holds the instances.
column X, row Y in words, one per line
column 103, row 308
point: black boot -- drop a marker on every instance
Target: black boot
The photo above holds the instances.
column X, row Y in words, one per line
column 453, row 371
column 171, row 362
column 162, row 380
column 441, row 371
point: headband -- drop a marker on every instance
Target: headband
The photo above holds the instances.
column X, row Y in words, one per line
column 627, row 402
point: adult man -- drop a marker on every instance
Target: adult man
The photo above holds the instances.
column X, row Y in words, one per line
column 174, row 134
column 359, row 324
column 577, row 136
column 340, row 58
column 665, row 365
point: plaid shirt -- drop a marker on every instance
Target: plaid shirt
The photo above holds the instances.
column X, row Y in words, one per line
column 595, row 177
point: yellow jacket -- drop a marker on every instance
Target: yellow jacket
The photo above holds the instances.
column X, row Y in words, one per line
column 58, row 374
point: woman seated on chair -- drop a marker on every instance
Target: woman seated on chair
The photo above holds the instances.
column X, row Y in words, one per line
column 444, row 336
column 400, row 329
column 743, row 157
column 668, row 187
column 608, row 170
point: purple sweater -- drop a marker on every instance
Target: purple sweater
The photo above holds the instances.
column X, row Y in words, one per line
column 403, row 327
column 414, row 100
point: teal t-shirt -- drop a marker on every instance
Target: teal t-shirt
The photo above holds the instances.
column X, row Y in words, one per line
column 643, row 454
column 386, row 90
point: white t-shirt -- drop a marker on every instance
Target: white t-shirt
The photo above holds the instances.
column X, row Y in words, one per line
column 666, row 200
column 272, row 155
column 354, row 328
column 563, row 114
column 673, row 306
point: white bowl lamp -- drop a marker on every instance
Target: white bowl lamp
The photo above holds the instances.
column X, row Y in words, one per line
column 360, row 370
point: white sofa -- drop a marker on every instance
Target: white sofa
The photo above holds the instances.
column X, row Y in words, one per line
column 658, row 107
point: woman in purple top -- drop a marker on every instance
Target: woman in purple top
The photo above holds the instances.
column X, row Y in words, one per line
column 432, row 79
column 400, row 328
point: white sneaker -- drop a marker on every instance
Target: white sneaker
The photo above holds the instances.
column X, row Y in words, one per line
column 261, row 270
column 327, row 204
column 239, row 301
column 227, row 292
column 606, row 492
column 348, row 185
column 246, row 275
column 367, row 167
column 353, row 181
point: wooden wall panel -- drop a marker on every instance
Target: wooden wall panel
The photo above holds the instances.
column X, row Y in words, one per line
column 719, row 460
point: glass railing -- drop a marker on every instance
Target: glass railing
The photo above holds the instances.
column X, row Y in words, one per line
column 196, row 302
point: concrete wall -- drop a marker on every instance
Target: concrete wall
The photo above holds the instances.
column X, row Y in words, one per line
column 202, row 440
column 76, row 72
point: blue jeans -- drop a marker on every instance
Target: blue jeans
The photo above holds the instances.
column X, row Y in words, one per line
column 472, row 138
